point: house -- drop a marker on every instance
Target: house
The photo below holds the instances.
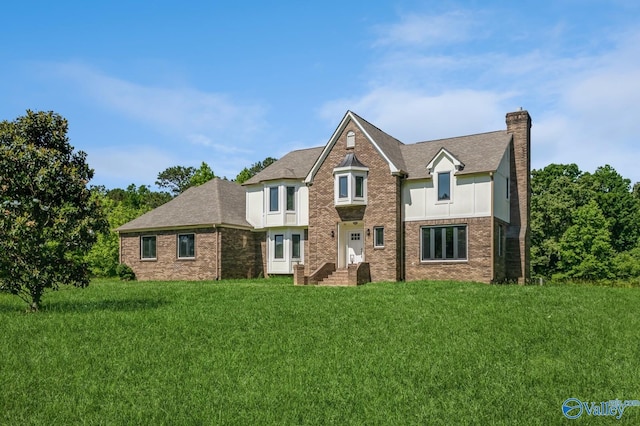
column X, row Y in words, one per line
column 367, row 207
column 200, row 235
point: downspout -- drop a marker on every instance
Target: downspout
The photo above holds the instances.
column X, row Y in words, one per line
column 218, row 253
column 492, row 229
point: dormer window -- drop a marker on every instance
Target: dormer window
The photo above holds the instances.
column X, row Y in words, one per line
column 350, row 187
column 351, row 139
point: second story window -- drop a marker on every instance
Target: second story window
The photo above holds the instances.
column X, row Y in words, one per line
column 343, row 186
column 291, row 198
column 273, row 199
column 444, row 186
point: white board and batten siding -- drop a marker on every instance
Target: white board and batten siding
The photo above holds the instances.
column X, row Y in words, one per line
column 470, row 195
column 258, row 211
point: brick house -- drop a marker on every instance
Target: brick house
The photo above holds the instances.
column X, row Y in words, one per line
column 200, row 235
column 367, row 207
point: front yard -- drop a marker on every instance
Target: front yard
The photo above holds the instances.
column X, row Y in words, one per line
column 266, row 352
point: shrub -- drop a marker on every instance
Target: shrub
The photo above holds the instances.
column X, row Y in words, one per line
column 125, row 272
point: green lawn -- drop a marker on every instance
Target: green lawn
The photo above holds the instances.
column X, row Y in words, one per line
column 266, row 352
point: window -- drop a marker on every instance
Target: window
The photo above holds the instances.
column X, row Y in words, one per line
column 295, row 246
column 351, row 188
column 343, row 183
column 444, row 186
column 148, row 247
column 443, row 243
column 186, row 246
column 291, row 198
column 278, row 247
column 351, row 139
column 273, row 199
column 500, row 237
column 508, row 188
column 359, row 186
column 378, row 236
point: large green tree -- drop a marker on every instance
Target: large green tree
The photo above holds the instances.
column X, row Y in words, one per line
column 573, row 213
column 585, row 247
column 175, row 178
column 48, row 220
column 202, row 175
column 555, row 195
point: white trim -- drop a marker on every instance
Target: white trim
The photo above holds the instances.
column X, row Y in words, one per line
column 459, row 165
column 178, row 246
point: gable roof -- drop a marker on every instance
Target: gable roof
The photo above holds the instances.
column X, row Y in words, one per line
column 391, row 147
column 387, row 146
column 294, row 165
column 479, row 153
column 216, row 202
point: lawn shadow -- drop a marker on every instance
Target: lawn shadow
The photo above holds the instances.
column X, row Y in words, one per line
column 115, row 305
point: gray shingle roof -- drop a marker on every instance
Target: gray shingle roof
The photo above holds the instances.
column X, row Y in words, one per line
column 479, row 153
column 294, row 165
column 217, row 202
column 391, row 146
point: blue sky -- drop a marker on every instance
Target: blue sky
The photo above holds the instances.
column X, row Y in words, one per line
column 147, row 85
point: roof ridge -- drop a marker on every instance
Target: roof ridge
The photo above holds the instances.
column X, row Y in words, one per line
column 456, row 137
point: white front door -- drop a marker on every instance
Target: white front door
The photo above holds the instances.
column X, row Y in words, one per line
column 354, row 247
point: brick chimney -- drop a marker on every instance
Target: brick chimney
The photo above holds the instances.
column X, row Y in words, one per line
column 518, row 232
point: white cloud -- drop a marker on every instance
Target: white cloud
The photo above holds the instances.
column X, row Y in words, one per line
column 210, row 119
column 583, row 99
column 413, row 116
column 429, row 30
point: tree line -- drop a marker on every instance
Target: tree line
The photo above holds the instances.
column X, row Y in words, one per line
column 584, row 226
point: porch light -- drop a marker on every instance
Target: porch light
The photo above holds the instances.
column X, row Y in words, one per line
column 332, row 234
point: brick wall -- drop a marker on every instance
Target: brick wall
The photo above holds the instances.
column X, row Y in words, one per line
column 382, row 209
column 518, row 233
column 167, row 266
column 476, row 268
column 240, row 255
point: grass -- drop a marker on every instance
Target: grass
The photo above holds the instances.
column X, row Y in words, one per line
column 266, row 352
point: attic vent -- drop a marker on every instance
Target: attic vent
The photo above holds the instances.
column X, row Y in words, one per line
column 351, row 139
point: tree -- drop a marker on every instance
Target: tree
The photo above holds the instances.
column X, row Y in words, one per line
column 555, row 195
column 614, row 197
column 247, row 173
column 202, row 175
column 176, row 178
column 49, row 220
column 585, row 247
column 179, row 178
